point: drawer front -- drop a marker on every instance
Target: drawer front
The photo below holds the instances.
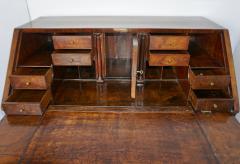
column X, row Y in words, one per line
column 208, row 82
column 22, row 109
column 72, row 59
column 169, row 42
column 169, row 59
column 29, row 82
column 28, row 108
column 72, row 42
column 214, row 105
column 210, row 104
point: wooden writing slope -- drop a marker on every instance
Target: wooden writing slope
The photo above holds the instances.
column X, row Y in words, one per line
column 141, row 64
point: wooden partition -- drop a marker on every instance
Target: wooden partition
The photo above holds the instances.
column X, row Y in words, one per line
column 183, row 68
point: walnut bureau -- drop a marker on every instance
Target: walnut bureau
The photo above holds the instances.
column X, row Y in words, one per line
column 130, row 63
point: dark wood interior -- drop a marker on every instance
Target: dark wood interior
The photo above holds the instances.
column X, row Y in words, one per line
column 150, row 67
column 120, row 90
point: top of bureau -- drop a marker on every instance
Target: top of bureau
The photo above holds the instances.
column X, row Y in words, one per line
column 116, row 22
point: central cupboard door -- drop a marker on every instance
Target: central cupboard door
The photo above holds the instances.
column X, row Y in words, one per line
column 121, row 58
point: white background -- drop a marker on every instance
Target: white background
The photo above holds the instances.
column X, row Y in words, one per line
column 14, row 12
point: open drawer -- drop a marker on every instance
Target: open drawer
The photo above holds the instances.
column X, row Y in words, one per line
column 27, row 102
column 31, row 78
column 72, row 58
column 211, row 100
column 208, row 79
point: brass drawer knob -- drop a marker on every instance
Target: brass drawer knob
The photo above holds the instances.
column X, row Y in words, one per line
column 212, row 84
column 201, row 74
column 170, row 60
column 72, row 42
column 171, row 44
column 72, row 60
column 21, row 110
column 215, row 106
column 28, row 83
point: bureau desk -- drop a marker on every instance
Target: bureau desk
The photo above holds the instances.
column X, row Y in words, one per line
column 148, row 64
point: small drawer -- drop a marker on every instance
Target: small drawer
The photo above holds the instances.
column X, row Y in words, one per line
column 31, row 78
column 208, row 79
column 211, row 100
column 72, row 42
column 168, row 58
column 158, row 42
column 73, row 58
column 27, row 102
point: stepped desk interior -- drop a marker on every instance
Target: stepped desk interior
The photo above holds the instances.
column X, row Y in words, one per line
column 120, row 90
column 140, row 64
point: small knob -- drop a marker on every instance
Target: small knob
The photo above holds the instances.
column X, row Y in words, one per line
column 72, row 42
column 21, row 110
column 169, row 60
column 201, row 74
column 72, row 60
column 215, row 106
column 212, row 84
column 28, row 83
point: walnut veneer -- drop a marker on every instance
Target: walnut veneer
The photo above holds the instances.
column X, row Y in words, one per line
column 157, row 63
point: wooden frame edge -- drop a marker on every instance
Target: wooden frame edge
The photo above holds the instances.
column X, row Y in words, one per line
column 13, row 51
column 231, row 70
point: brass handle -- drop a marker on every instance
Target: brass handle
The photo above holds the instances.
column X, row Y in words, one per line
column 21, row 110
column 215, row 106
column 72, row 60
column 28, row 83
column 201, row 74
column 212, row 84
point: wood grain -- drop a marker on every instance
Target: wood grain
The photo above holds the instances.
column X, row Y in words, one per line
column 72, row 42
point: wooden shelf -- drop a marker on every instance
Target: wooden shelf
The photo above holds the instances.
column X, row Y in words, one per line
column 201, row 59
column 113, row 93
column 39, row 59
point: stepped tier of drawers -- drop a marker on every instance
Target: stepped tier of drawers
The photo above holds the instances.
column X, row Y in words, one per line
column 208, row 87
column 168, row 50
column 72, row 50
column 31, row 91
column 209, row 90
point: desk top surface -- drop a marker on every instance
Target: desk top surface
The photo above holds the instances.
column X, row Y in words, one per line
column 129, row 22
